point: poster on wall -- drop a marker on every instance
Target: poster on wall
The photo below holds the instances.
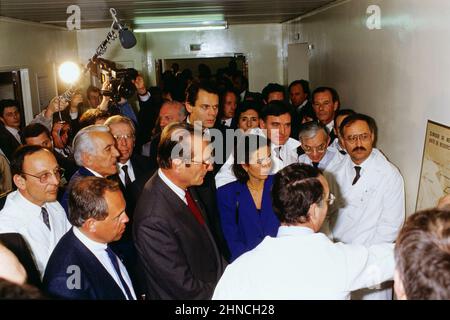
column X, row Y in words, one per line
column 435, row 173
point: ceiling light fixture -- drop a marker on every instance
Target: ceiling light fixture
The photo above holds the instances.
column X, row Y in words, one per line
column 180, row 23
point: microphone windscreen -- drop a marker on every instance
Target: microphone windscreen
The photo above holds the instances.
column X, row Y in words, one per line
column 127, row 38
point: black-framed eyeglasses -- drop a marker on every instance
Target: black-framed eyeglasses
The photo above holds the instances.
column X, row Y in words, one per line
column 206, row 163
column 44, row 177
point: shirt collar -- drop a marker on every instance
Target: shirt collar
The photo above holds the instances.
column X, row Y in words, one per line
column 302, row 105
column 330, row 126
column 88, row 242
column 95, row 173
column 29, row 206
column 286, row 231
column 178, row 191
column 128, row 163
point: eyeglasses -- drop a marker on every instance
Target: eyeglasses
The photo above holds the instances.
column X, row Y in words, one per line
column 264, row 161
column 362, row 137
column 320, row 149
column 123, row 136
column 44, row 178
column 205, row 163
column 331, row 199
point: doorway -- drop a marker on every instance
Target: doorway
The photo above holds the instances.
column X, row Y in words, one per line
column 11, row 88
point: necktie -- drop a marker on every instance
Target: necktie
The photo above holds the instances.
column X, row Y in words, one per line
column 315, row 165
column 342, row 152
column 357, row 176
column 45, row 218
column 127, row 176
column 112, row 256
column 194, row 209
column 278, row 152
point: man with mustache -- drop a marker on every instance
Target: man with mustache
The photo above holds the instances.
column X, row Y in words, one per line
column 370, row 198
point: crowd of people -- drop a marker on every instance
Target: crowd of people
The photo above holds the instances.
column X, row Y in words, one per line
column 210, row 191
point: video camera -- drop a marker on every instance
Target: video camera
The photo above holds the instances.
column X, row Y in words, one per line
column 120, row 80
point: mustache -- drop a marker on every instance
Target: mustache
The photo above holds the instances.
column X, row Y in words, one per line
column 359, row 149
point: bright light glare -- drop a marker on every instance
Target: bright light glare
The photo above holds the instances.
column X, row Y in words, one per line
column 69, row 72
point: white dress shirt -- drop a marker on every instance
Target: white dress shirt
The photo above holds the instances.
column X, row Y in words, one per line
column 129, row 169
column 330, row 126
column 335, row 145
column 178, row 191
column 15, row 133
column 301, row 264
column 99, row 251
column 227, row 122
column 21, row 216
column 331, row 156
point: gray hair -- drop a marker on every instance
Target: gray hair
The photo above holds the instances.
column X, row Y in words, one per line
column 182, row 113
column 310, row 129
column 120, row 119
column 82, row 143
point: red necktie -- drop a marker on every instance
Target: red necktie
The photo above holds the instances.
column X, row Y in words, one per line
column 194, row 208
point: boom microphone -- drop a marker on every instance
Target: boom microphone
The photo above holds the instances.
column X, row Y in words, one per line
column 126, row 37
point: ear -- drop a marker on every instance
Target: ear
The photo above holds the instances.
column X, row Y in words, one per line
column 86, row 158
column 245, row 167
column 336, row 106
column 90, row 225
column 176, row 163
column 19, row 181
column 188, row 107
column 398, row 286
column 262, row 124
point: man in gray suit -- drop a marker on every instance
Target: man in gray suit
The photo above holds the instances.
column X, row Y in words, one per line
column 178, row 255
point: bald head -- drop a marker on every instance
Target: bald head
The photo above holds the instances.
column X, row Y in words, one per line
column 171, row 111
column 10, row 267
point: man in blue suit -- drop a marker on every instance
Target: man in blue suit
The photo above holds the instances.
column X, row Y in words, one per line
column 83, row 266
column 96, row 155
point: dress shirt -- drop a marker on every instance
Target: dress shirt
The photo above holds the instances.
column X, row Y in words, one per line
column 144, row 97
column 98, row 175
column 227, row 122
column 178, row 191
column 331, row 155
column 99, row 251
column 15, row 133
column 300, row 107
column 330, row 126
column 19, row 215
column 335, row 145
column 130, row 171
column 314, row 268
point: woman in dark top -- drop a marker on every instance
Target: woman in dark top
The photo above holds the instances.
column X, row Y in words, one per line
column 245, row 205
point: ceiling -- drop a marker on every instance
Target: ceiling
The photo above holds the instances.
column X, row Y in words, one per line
column 95, row 13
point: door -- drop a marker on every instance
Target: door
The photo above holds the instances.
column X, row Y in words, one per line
column 298, row 62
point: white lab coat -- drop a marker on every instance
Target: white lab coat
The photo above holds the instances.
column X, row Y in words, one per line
column 373, row 210
column 300, row 264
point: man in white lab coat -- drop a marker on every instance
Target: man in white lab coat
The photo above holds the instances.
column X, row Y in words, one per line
column 370, row 206
column 300, row 262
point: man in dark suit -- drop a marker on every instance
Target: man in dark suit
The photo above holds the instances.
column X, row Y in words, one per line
column 326, row 103
column 96, row 155
column 303, row 111
column 10, row 138
column 83, row 266
column 177, row 251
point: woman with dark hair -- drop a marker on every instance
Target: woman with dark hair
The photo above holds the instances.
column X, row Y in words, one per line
column 247, row 116
column 245, row 205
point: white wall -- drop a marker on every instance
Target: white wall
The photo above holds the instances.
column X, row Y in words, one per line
column 399, row 74
column 261, row 44
column 36, row 47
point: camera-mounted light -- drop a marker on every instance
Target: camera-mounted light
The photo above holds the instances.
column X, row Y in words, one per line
column 69, row 72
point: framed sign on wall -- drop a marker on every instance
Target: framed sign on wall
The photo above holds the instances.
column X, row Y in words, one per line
column 435, row 173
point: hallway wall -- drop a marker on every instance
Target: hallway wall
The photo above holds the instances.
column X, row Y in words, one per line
column 399, row 74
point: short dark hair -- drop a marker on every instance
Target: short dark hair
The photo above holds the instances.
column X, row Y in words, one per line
column 358, row 117
column 340, row 113
column 13, row 291
column 90, row 116
column 422, row 255
column 193, row 90
column 245, row 147
column 295, row 188
column 275, row 108
column 303, row 83
column 272, row 87
column 33, row 130
column 334, row 94
column 5, row 103
column 19, row 155
column 222, row 95
column 87, row 199
column 167, row 144
column 92, row 88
